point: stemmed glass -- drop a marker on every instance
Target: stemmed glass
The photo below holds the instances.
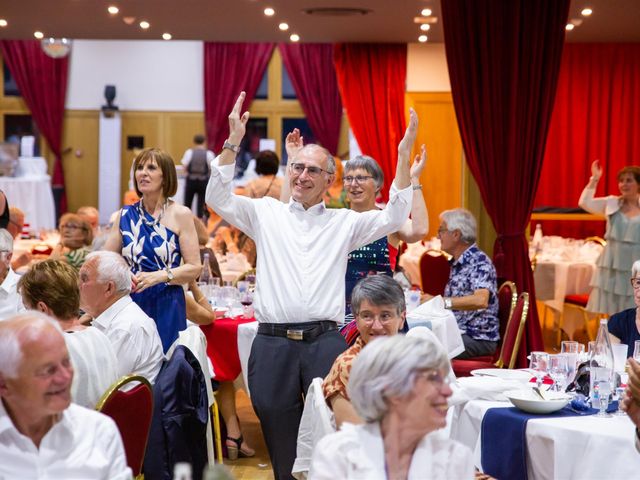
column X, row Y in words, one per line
column 539, row 364
column 571, row 350
column 246, row 298
column 601, row 390
column 559, row 370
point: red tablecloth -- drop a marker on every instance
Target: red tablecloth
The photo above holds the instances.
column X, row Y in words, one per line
column 222, row 346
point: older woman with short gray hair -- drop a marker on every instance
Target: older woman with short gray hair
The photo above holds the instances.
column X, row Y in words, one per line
column 399, row 386
column 624, row 326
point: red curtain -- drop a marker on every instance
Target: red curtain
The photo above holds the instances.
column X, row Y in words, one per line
column 596, row 116
column 42, row 82
column 371, row 78
column 310, row 67
column 504, row 58
column 230, row 68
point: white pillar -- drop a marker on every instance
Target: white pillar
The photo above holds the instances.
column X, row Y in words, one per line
column 109, row 165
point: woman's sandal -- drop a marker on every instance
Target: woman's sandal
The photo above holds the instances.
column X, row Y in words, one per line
column 235, row 450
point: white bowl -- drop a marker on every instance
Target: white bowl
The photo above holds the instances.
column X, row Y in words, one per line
column 529, row 401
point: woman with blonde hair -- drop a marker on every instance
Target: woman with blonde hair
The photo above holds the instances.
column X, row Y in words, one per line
column 76, row 236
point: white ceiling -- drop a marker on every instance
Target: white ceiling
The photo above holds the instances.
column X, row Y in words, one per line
column 243, row 20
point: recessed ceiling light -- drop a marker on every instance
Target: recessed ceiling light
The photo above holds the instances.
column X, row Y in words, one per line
column 569, row 27
column 426, row 12
column 422, row 38
column 283, row 26
column 144, row 24
column 586, row 12
column 294, row 37
column 269, row 12
column 113, row 9
column 166, row 36
column 3, row 22
column 39, row 35
column 425, row 27
column 129, row 20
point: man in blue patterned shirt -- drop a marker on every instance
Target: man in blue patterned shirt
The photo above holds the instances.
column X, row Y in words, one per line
column 471, row 291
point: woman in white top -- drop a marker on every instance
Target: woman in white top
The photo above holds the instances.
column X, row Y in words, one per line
column 612, row 291
column 51, row 287
column 399, row 386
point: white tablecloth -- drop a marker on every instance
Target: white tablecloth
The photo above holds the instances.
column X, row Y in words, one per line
column 555, row 280
column 581, row 448
column 33, row 195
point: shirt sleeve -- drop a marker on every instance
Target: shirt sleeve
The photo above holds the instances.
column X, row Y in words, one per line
column 484, row 276
column 591, row 204
column 328, row 462
column 126, row 353
column 238, row 210
column 336, row 381
column 617, row 328
column 186, row 158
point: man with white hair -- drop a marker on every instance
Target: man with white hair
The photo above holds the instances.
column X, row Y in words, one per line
column 471, row 291
column 10, row 300
column 42, row 434
column 105, row 285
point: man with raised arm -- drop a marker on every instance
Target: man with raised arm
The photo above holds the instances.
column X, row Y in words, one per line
column 302, row 250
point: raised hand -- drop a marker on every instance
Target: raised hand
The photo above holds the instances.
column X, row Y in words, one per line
column 419, row 162
column 596, row 170
column 237, row 122
column 293, row 143
column 406, row 144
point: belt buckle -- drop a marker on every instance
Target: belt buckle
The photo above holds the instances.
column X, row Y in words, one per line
column 295, row 334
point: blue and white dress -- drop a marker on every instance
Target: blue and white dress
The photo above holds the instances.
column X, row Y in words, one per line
column 149, row 246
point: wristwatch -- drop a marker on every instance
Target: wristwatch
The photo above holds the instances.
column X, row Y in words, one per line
column 447, row 303
column 231, row 146
column 170, row 275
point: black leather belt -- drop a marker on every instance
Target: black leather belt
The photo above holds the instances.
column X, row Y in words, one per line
column 297, row 331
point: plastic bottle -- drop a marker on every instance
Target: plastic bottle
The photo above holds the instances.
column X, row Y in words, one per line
column 205, row 274
column 182, row 471
column 601, row 363
column 537, row 238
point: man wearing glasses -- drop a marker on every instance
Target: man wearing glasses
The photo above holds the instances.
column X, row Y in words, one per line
column 301, row 262
column 10, row 300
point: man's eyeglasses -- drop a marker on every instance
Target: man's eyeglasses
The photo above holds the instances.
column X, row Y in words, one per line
column 635, row 283
column 442, row 229
column 313, row 172
column 359, row 179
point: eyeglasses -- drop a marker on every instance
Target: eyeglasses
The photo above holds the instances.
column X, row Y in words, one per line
column 385, row 318
column 434, row 377
column 359, row 179
column 442, row 229
column 313, row 172
column 635, row 283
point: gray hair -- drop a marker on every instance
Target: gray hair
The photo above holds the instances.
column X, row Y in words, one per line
column 370, row 165
column 311, row 148
column 387, row 368
column 463, row 220
column 111, row 267
column 17, row 330
column 635, row 269
column 6, row 241
column 378, row 290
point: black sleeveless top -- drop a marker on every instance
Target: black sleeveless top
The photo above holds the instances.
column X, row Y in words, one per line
column 4, row 217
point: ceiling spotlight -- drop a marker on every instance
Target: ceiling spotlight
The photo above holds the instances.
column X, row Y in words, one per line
column 283, row 26
column 166, row 36
column 569, row 27
column 3, row 22
column 586, row 12
column 294, row 37
column 113, row 9
column 129, row 20
column 425, row 27
column 422, row 38
column 144, row 24
column 269, row 12
column 426, row 12
column 39, row 35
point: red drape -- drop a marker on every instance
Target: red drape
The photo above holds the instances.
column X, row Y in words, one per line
column 230, row 68
column 42, row 82
column 503, row 58
column 372, row 78
column 310, row 67
column 596, row 115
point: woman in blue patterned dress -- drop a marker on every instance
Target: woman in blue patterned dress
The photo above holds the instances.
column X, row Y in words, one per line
column 158, row 239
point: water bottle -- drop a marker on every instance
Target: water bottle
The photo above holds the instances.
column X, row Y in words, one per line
column 182, row 471
column 537, row 238
column 601, row 363
column 205, row 274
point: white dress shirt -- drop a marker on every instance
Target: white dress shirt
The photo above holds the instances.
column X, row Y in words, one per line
column 188, row 154
column 301, row 254
column 134, row 337
column 95, row 367
column 83, row 445
column 10, row 299
column 357, row 452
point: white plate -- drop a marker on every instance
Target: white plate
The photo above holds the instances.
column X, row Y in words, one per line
column 529, row 401
column 504, row 373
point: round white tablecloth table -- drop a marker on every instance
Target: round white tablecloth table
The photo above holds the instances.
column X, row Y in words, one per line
column 33, row 195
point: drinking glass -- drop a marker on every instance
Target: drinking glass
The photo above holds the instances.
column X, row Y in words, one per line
column 591, row 346
column 636, row 351
column 619, row 356
column 559, row 370
column 571, row 349
column 246, row 299
column 601, row 390
column 539, row 364
column 243, row 286
column 618, row 395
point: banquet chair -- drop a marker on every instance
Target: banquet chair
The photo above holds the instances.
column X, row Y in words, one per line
column 131, row 408
column 434, row 271
column 510, row 344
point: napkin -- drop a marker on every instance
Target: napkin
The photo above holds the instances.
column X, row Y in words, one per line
column 481, row 388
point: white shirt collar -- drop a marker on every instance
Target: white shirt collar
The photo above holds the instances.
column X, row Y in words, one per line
column 104, row 319
column 317, row 209
column 10, row 281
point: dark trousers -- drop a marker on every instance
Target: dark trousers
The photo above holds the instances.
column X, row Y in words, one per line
column 280, row 372
column 192, row 188
column 476, row 348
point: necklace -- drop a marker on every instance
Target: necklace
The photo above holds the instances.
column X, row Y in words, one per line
column 155, row 221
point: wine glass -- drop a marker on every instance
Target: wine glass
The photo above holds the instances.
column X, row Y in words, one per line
column 571, row 349
column 636, row 351
column 539, row 364
column 601, row 390
column 246, row 299
column 559, row 370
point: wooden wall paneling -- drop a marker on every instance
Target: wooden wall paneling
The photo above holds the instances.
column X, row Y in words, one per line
column 146, row 124
column 180, row 127
column 473, row 201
